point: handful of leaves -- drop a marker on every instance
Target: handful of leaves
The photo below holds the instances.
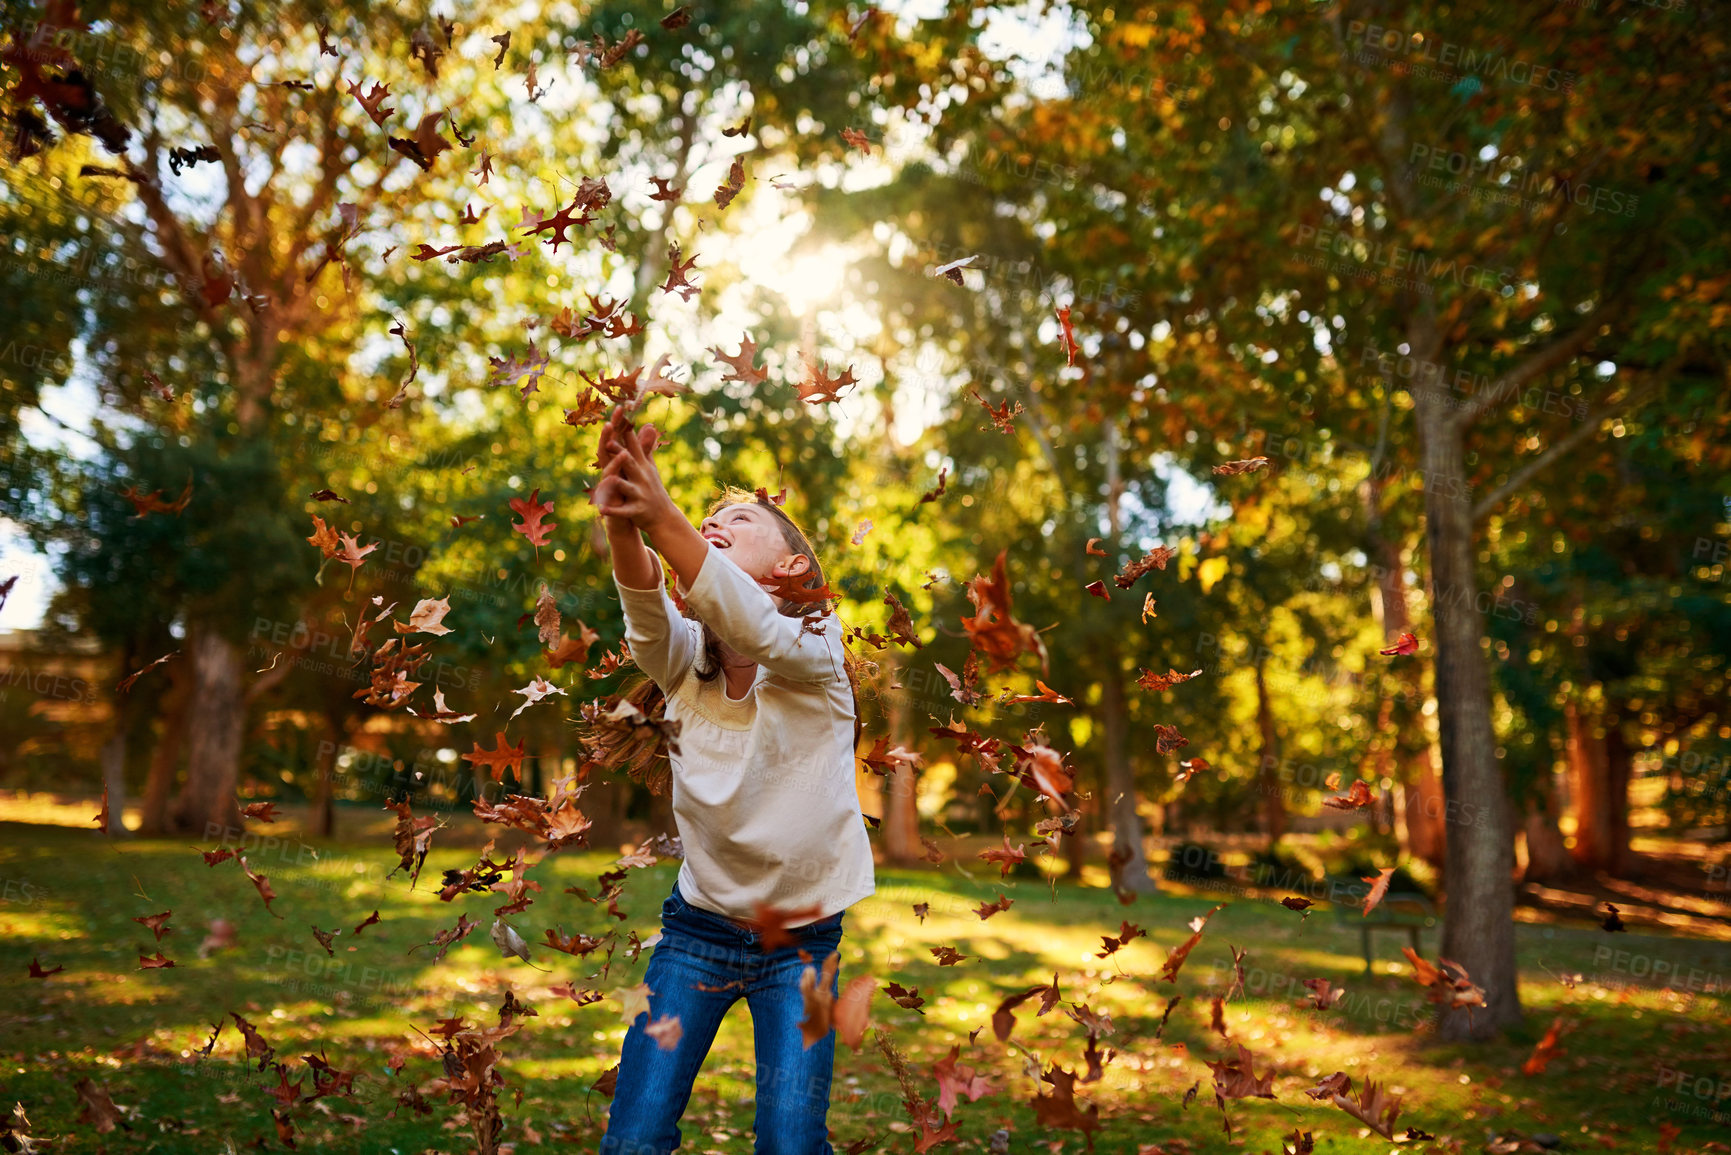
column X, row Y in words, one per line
column 621, row 736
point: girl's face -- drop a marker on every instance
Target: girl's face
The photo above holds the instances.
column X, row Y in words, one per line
column 752, row 539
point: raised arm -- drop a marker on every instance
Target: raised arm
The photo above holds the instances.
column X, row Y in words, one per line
column 663, row 641
column 740, row 611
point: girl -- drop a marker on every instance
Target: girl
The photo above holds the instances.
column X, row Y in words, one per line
column 763, row 791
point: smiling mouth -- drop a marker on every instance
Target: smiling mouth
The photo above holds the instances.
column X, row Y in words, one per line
column 716, row 539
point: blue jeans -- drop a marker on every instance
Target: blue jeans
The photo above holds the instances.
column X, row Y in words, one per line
column 701, row 946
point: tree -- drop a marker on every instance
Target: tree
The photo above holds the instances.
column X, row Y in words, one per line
column 1277, row 299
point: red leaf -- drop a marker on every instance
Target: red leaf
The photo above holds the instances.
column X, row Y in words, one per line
column 1067, row 335
column 1405, row 644
column 1357, row 797
column 261, row 882
column 499, row 759
column 1545, row 1051
column 955, row 1081
column 771, row 923
column 1005, row 858
column 1378, row 888
column 158, row 924
column 532, row 510
column 1175, row 960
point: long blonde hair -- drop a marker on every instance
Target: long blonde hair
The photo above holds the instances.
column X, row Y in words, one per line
column 641, row 750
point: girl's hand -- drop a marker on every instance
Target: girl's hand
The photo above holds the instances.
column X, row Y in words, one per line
column 611, row 444
column 631, row 488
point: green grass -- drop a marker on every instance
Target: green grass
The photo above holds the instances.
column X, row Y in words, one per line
column 68, row 897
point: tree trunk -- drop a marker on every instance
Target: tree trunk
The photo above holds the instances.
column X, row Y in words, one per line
column 604, row 802
column 1421, row 791
column 165, row 757
column 1599, row 766
column 206, row 806
column 1548, row 858
column 549, row 764
column 1121, row 813
column 1121, row 798
column 114, row 771
column 1478, row 928
column 1425, row 829
column 901, row 815
column 324, row 815
column 1269, row 802
column 1619, row 769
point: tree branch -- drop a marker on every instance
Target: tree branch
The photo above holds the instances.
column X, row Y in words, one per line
column 1539, row 361
column 1557, row 449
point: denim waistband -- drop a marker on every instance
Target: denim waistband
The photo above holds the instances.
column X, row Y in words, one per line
column 728, row 926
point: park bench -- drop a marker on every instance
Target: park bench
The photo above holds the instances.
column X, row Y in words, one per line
column 1406, row 911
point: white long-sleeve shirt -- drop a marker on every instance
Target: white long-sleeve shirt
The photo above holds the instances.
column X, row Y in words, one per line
column 763, row 787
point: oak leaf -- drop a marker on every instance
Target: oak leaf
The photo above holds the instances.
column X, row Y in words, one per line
column 499, row 759
column 532, row 510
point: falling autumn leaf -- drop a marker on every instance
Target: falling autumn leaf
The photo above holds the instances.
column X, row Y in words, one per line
column 441, row 712
column 819, row 1005
column 1378, row 888
column 770, row 923
column 818, row 386
column 260, row 882
column 953, row 271
column 1547, row 1049
column 852, row 1009
column 534, row 692
column 1175, row 960
column 666, row 1031
column 428, row 617
column 1357, row 797
column 1066, row 335
column 532, row 510
column 125, row 683
column 1405, row 644
column 1167, row 738
column 1373, row 1107
column 956, row 1080
column 352, row 554
column 1149, row 680
column 1237, row 1079
column 96, row 1109
column 633, row 1001
column 993, row 630
column 1448, row 981
column 741, row 365
column 1005, row 858
column 1190, row 767
column 1155, row 558
column 158, row 924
